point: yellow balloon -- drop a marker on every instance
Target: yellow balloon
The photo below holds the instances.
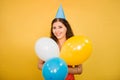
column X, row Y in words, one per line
column 76, row 50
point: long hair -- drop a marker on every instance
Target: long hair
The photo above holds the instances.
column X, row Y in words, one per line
column 69, row 32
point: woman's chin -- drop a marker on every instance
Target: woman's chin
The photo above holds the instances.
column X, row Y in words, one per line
column 58, row 37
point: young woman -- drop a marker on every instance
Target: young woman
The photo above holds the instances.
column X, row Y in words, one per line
column 60, row 32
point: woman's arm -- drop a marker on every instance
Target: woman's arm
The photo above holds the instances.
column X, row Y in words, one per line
column 75, row 70
column 40, row 64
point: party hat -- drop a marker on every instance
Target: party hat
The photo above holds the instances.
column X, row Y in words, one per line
column 60, row 13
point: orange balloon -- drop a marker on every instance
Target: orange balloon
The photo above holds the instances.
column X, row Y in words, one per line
column 76, row 50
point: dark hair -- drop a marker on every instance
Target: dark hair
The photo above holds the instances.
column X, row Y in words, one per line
column 69, row 32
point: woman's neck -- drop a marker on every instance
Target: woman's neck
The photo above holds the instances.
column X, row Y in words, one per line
column 61, row 42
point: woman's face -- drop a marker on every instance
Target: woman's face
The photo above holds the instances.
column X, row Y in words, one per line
column 59, row 30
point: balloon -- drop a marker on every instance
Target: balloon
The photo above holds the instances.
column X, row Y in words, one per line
column 76, row 50
column 46, row 48
column 55, row 69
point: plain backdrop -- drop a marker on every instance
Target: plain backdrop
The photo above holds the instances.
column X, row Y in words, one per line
column 22, row 22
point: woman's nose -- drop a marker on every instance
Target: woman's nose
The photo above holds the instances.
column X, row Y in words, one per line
column 57, row 30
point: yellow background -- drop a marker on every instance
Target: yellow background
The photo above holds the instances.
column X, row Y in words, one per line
column 22, row 22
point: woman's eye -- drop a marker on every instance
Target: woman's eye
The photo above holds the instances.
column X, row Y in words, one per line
column 54, row 27
column 60, row 26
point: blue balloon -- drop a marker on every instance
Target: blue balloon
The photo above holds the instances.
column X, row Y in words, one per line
column 55, row 69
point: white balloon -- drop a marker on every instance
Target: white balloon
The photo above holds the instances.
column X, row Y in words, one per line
column 46, row 48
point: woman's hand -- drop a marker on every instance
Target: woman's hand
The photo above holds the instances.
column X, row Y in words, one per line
column 40, row 64
column 75, row 70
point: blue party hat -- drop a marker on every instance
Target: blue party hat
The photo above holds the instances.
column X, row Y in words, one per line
column 60, row 13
